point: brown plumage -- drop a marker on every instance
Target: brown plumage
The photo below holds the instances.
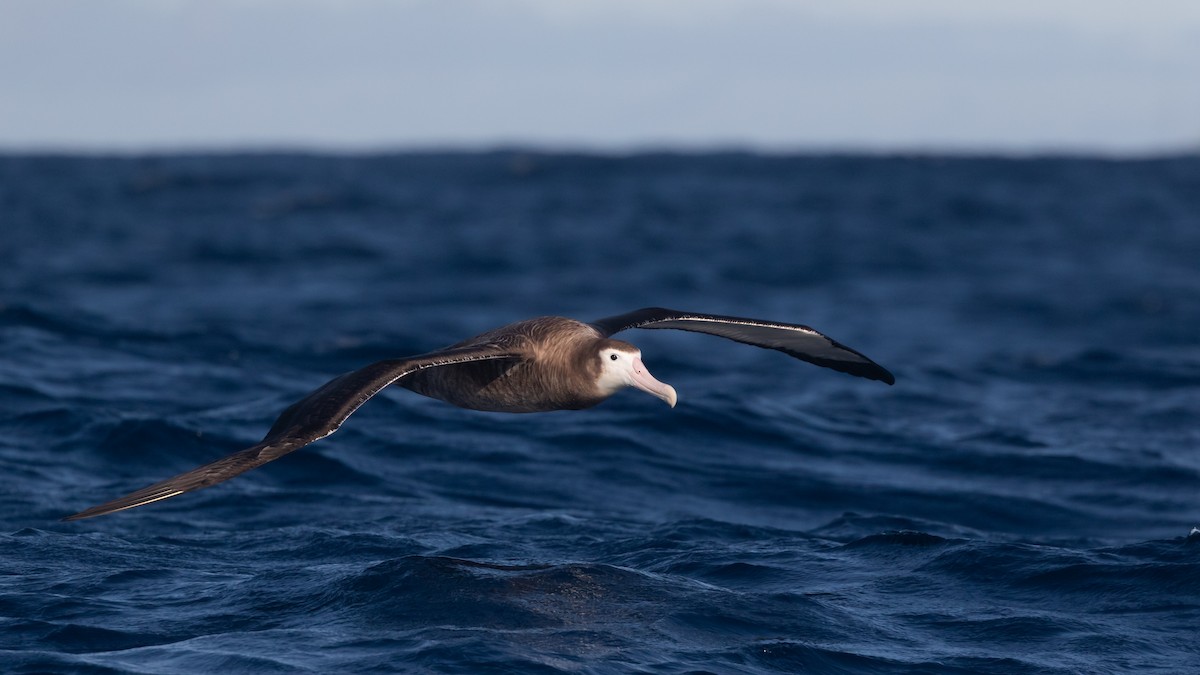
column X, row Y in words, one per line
column 549, row 363
column 555, row 369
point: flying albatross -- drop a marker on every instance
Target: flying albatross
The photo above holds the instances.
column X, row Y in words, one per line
column 549, row 363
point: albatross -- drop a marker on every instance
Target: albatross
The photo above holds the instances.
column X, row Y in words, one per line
column 538, row 365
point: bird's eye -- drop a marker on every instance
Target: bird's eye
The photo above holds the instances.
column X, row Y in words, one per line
column 613, row 357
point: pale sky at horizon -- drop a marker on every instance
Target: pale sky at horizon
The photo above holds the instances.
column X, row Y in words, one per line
column 925, row 75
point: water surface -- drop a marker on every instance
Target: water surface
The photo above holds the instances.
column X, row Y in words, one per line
column 1019, row 502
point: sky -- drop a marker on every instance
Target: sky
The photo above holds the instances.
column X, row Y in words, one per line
column 772, row 75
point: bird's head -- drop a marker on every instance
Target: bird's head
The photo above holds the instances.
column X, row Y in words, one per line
column 621, row 366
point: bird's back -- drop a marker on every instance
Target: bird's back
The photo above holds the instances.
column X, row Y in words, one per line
column 557, row 371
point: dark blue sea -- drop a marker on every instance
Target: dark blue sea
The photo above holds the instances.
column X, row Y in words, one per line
column 1021, row 501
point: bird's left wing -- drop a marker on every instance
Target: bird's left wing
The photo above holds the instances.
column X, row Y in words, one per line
column 792, row 339
column 310, row 419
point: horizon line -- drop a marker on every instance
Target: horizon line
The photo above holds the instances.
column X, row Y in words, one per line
column 600, row 149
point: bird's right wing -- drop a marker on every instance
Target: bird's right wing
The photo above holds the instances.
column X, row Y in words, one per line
column 310, row 419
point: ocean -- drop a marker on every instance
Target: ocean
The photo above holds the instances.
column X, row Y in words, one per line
column 1022, row 500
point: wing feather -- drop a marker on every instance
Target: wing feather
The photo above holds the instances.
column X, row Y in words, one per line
column 310, row 419
column 794, row 340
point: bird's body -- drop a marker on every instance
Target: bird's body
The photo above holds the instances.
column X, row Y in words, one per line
column 554, row 370
column 538, row 365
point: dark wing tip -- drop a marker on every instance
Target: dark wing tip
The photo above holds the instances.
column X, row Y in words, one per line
column 862, row 366
column 878, row 372
column 866, row 369
column 81, row 515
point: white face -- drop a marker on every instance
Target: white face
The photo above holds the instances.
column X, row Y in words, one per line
column 616, row 369
column 625, row 369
